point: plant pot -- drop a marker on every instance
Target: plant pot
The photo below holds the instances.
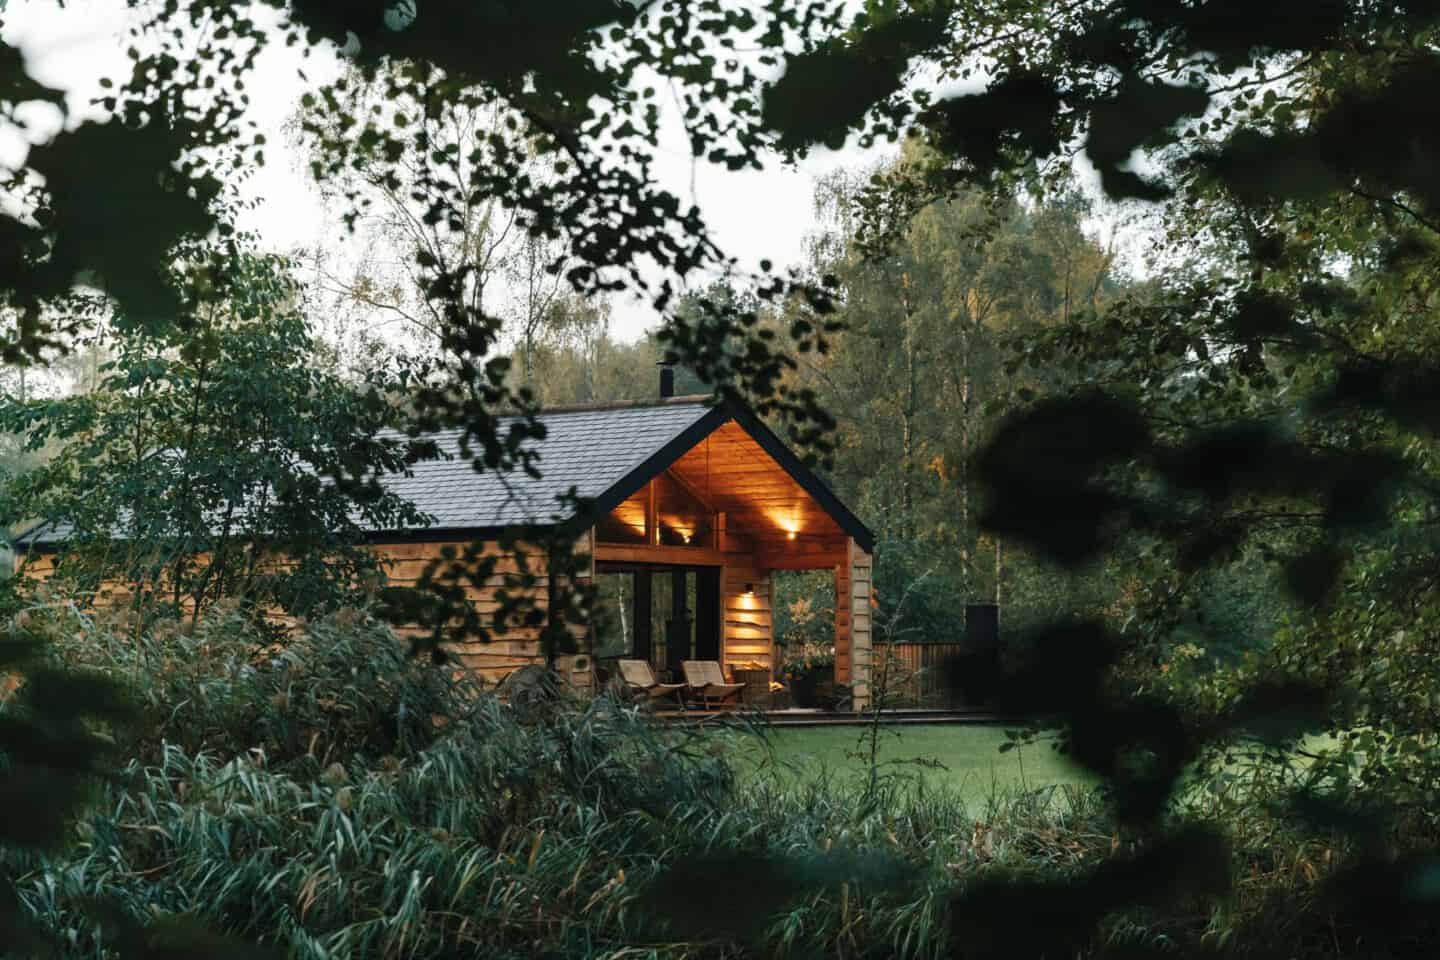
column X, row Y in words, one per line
column 803, row 690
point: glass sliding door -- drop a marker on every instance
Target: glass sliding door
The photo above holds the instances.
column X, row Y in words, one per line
column 613, row 618
column 672, row 615
column 657, row 612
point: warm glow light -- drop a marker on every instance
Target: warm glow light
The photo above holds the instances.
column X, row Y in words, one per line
column 787, row 518
column 631, row 513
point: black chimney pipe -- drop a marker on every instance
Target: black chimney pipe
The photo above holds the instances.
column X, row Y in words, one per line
column 667, row 379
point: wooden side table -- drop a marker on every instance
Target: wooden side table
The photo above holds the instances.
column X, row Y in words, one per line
column 757, row 686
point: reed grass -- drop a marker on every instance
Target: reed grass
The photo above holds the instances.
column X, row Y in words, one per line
column 334, row 798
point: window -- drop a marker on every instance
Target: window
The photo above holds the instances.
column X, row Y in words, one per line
column 678, row 518
column 626, row 523
column 614, row 615
column 684, row 520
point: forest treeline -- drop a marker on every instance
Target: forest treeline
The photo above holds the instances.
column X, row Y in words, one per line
column 922, row 365
column 920, row 369
column 934, row 343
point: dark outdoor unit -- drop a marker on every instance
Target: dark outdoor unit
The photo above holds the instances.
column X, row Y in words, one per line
column 982, row 648
column 982, row 628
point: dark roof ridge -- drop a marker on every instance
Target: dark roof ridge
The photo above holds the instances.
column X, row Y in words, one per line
column 620, row 404
column 542, row 412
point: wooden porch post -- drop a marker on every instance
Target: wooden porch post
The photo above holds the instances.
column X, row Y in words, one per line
column 859, row 569
column 842, row 621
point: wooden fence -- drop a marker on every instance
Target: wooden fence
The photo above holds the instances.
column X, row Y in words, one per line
column 918, row 674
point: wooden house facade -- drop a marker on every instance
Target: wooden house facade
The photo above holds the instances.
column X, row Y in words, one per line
column 688, row 509
column 681, row 509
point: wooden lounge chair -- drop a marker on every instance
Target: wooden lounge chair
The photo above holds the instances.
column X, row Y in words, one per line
column 640, row 680
column 706, row 681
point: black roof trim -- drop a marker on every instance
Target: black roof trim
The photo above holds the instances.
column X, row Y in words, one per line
column 409, row 535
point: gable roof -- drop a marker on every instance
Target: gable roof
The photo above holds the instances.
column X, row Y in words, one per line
column 769, row 443
column 605, row 453
column 588, row 448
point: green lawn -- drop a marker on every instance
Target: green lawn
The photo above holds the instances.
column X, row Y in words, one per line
column 972, row 762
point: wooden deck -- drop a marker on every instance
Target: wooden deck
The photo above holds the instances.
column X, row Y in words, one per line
column 800, row 717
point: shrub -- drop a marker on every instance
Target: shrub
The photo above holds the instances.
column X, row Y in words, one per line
column 499, row 838
column 817, row 665
column 340, row 686
column 348, row 819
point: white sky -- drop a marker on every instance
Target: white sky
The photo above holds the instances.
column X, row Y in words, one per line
column 754, row 215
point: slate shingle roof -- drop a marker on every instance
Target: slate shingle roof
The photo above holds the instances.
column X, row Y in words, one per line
column 589, row 449
column 45, row 532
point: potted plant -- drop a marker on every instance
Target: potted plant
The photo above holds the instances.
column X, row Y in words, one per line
column 804, row 674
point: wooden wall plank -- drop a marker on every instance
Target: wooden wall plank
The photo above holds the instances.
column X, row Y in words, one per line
column 842, row 621
column 687, row 556
column 761, row 501
column 748, row 633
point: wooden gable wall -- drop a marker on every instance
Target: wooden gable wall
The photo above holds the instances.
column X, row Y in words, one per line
column 767, row 513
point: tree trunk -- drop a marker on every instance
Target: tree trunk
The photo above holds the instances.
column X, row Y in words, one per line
column 967, row 573
column 907, row 412
column 999, row 571
column 970, row 321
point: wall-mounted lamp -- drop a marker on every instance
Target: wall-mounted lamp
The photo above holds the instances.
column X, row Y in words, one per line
column 749, row 589
column 790, row 535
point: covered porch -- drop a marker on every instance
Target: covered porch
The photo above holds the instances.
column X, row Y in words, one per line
column 684, row 563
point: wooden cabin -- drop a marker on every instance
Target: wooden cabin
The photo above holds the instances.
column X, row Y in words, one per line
column 690, row 507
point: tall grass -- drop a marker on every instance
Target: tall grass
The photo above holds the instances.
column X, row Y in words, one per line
column 501, row 839
column 333, row 798
column 337, row 687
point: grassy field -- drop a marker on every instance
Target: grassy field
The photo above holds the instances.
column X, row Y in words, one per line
column 969, row 758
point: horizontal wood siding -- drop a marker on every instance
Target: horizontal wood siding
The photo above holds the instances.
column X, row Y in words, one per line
column 35, row 565
column 114, row 595
column 748, row 635
column 510, row 645
column 766, row 510
column 842, row 622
